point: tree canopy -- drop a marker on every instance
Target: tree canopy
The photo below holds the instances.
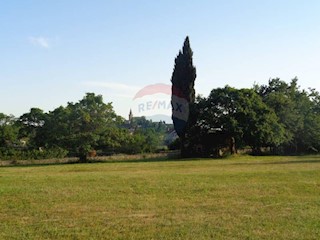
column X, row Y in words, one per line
column 79, row 129
column 278, row 117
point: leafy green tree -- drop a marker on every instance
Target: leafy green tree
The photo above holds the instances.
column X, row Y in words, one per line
column 83, row 126
column 297, row 110
column 152, row 140
column 30, row 127
column 8, row 130
column 240, row 114
column 8, row 135
column 133, row 144
column 183, row 93
column 312, row 122
column 142, row 122
column 154, row 133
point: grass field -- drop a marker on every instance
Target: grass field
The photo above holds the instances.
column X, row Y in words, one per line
column 234, row 198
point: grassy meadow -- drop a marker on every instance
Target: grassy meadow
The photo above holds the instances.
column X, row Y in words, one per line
column 234, row 198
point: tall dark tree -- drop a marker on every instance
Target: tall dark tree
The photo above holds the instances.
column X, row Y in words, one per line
column 183, row 93
column 31, row 125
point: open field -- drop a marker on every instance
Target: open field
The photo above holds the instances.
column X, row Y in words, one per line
column 235, row 198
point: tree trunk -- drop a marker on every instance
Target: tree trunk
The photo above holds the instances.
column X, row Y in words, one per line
column 232, row 145
column 183, row 149
column 83, row 158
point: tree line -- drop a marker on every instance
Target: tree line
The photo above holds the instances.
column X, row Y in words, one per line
column 80, row 129
column 278, row 117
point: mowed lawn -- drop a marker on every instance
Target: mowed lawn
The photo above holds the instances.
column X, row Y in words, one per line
column 234, row 198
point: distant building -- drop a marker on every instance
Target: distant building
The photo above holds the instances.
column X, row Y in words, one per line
column 135, row 123
column 130, row 116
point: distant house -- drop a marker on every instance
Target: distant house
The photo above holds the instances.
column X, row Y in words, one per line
column 135, row 123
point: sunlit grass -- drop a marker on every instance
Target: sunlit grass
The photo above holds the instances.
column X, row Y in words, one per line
column 235, row 198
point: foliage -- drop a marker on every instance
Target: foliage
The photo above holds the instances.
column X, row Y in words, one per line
column 297, row 110
column 78, row 129
column 279, row 117
column 8, row 130
column 30, row 123
column 140, row 141
column 34, row 154
column 183, row 77
column 239, row 114
column 175, row 145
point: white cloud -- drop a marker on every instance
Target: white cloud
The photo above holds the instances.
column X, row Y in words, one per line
column 114, row 86
column 40, row 41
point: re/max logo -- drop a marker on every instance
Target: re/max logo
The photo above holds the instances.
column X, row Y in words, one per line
column 154, row 105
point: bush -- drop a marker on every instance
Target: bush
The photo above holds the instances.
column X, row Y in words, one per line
column 175, row 145
column 32, row 154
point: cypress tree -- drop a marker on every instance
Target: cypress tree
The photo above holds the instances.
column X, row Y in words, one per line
column 183, row 93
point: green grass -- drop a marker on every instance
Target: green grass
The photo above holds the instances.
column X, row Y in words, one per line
column 234, row 198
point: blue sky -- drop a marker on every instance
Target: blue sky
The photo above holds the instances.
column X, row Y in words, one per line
column 52, row 52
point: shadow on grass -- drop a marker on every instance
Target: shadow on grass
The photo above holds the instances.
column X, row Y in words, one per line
column 148, row 160
column 37, row 164
column 279, row 162
column 169, row 158
column 91, row 161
